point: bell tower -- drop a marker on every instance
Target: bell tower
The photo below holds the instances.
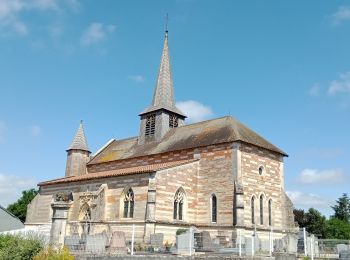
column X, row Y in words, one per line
column 162, row 114
column 78, row 154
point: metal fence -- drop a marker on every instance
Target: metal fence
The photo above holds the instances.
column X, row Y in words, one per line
column 190, row 242
column 311, row 246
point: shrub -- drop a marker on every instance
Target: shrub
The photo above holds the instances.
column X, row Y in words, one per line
column 181, row 231
column 51, row 254
column 16, row 247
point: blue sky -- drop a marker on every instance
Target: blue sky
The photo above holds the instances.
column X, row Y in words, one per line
column 282, row 68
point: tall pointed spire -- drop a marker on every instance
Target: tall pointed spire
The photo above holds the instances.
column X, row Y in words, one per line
column 79, row 141
column 163, row 97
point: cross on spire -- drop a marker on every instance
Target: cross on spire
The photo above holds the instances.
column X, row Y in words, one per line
column 166, row 22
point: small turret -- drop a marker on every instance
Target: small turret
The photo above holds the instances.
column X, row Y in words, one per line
column 78, row 154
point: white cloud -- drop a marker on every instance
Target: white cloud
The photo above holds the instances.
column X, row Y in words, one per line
column 96, row 32
column 2, row 131
column 194, row 110
column 314, row 90
column 341, row 15
column 11, row 188
column 137, row 78
column 11, row 11
column 341, row 85
column 35, row 130
column 312, row 176
column 307, row 200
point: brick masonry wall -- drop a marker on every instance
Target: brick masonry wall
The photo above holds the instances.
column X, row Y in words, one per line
column 270, row 184
column 212, row 175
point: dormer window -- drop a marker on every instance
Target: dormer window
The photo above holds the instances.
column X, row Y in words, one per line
column 173, row 121
column 150, row 125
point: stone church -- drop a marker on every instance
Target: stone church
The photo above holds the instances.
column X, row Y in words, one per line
column 216, row 175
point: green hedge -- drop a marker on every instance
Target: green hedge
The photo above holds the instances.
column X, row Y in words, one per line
column 16, row 247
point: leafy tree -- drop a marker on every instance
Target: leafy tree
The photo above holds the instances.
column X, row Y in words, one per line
column 337, row 229
column 315, row 222
column 299, row 217
column 19, row 208
column 342, row 208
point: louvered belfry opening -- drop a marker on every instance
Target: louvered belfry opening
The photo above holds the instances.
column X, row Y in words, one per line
column 173, row 121
column 150, row 125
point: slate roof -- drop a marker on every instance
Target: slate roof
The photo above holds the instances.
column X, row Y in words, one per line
column 79, row 141
column 163, row 97
column 8, row 221
column 119, row 172
column 215, row 131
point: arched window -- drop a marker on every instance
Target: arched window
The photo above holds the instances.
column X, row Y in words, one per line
column 213, row 208
column 129, row 204
column 270, row 212
column 253, row 209
column 261, row 209
column 179, row 200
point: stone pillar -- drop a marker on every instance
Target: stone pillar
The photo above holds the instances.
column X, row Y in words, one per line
column 236, row 162
column 238, row 210
column 59, row 222
column 150, row 208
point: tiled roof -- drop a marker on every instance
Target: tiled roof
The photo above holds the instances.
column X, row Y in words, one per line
column 163, row 97
column 119, row 172
column 215, row 131
column 79, row 142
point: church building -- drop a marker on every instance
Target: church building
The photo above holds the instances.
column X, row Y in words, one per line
column 216, row 175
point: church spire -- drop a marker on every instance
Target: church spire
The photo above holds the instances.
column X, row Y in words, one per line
column 162, row 114
column 79, row 142
column 163, row 97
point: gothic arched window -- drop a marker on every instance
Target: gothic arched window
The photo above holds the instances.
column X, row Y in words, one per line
column 270, row 212
column 129, row 204
column 213, row 208
column 261, row 209
column 179, row 201
column 253, row 209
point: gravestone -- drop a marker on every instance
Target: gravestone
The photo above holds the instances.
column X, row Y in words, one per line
column 345, row 254
column 157, row 240
column 342, row 247
column 118, row 245
column 72, row 242
column 96, row 243
column 206, row 240
column 185, row 243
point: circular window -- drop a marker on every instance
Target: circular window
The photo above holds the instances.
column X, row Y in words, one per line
column 261, row 170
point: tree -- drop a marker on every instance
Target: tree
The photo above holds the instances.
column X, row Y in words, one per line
column 315, row 223
column 337, row 229
column 299, row 217
column 342, row 208
column 19, row 208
